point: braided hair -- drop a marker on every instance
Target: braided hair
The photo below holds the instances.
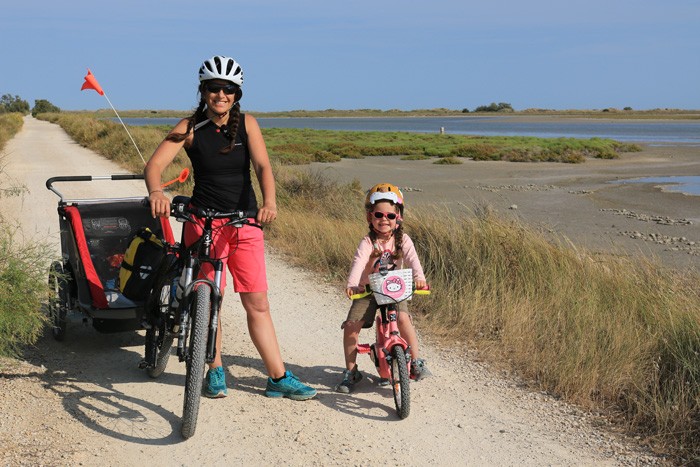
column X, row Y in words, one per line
column 200, row 114
column 398, row 241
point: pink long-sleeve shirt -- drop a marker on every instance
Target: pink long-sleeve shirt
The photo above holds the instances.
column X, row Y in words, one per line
column 362, row 265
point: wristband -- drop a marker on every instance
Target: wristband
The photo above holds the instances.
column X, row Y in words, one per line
column 154, row 191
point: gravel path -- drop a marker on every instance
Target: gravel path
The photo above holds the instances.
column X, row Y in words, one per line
column 85, row 402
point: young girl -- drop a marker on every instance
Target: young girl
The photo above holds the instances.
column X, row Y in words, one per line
column 385, row 243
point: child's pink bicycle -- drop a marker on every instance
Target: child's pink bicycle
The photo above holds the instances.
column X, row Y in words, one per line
column 390, row 352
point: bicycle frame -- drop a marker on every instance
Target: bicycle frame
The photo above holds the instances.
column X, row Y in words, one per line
column 390, row 352
column 387, row 336
column 192, row 257
column 195, row 320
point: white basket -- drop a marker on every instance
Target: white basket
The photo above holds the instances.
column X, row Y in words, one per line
column 396, row 286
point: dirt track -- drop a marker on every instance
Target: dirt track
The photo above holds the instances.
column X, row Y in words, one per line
column 85, row 401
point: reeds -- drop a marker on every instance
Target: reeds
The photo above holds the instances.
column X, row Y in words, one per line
column 603, row 331
column 607, row 332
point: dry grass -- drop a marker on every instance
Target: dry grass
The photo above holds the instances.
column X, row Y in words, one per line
column 603, row 332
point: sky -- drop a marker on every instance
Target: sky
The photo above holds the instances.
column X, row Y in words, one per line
column 357, row 54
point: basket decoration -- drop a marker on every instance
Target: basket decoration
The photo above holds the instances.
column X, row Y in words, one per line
column 392, row 287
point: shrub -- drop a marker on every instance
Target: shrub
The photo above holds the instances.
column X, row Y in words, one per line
column 449, row 160
column 23, row 289
column 44, row 106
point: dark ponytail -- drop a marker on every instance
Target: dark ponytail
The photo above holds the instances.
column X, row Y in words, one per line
column 232, row 125
column 192, row 120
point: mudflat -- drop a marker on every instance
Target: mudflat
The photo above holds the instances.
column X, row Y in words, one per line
column 582, row 203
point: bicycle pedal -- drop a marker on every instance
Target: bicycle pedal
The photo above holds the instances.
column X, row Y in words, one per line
column 364, row 348
column 143, row 364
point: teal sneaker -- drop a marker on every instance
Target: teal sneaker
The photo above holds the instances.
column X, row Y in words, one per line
column 289, row 386
column 216, row 383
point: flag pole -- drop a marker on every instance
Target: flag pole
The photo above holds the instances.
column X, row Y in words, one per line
column 91, row 83
column 125, row 128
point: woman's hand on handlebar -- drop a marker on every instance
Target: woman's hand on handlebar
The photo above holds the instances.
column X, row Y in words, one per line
column 266, row 214
column 160, row 204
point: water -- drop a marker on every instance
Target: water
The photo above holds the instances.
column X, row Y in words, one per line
column 649, row 132
column 690, row 185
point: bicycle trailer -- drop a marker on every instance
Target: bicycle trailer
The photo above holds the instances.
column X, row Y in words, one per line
column 95, row 234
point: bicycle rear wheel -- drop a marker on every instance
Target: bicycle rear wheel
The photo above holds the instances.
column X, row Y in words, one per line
column 400, row 378
column 159, row 340
column 200, row 309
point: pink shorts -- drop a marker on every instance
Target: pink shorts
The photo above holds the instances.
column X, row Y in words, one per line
column 241, row 248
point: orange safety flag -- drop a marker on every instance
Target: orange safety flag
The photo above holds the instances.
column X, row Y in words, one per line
column 91, row 83
column 181, row 178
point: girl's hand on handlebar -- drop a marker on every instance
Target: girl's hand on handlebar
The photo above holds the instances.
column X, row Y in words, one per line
column 420, row 285
column 160, row 204
column 266, row 214
column 350, row 291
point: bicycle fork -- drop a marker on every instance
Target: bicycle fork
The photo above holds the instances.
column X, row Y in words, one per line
column 215, row 304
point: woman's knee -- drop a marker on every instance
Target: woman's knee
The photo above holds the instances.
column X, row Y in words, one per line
column 255, row 302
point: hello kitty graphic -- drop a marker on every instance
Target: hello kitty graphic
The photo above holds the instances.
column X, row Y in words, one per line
column 394, row 287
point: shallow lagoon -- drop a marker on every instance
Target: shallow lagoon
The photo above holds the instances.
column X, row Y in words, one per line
column 689, row 185
column 643, row 131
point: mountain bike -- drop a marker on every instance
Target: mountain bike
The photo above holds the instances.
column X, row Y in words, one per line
column 390, row 352
column 191, row 313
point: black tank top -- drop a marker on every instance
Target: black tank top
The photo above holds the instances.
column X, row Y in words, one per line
column 221, row 180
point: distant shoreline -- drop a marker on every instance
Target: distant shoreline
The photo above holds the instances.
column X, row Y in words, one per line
column 545, row 115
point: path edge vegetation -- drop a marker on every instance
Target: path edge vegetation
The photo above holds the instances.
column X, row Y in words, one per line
column 23, row 266
column 615, row 335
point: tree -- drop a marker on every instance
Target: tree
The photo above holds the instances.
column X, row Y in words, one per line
column 10, row 104
column 493, row 107
column 43, row 106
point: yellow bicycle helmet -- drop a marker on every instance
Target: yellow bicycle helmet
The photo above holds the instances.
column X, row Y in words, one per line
column 384, row 192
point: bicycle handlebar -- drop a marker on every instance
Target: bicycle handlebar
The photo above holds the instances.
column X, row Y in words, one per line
column 182, row 210
column 368, row 291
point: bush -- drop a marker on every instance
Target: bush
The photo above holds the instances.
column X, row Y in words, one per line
column 493, row 107
column 23, row 289
column 449, row 160
column 23, row 277
column 43, row 106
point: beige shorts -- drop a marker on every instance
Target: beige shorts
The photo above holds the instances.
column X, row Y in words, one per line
column 365, row 309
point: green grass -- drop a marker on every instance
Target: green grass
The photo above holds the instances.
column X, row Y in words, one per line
column 23, row 268
column 303, row 146
column 23, row 290
column 605, row 113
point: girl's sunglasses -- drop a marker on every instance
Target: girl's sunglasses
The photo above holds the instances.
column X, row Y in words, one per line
column 389, row 215
column 215, row 88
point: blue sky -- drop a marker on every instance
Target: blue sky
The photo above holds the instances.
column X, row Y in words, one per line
column 354, row 54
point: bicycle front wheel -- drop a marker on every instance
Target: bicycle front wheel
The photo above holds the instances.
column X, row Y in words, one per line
column 400, row 378
column 200, row 309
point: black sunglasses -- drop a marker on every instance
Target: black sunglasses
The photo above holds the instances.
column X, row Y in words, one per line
column 215, row 88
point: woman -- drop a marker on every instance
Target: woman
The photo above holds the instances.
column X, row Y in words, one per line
column 222, row 144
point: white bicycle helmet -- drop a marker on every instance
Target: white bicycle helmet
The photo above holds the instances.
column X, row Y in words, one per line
column 220, row 67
